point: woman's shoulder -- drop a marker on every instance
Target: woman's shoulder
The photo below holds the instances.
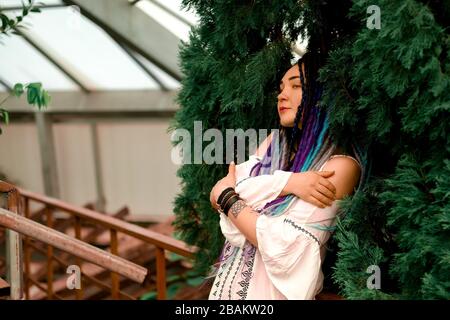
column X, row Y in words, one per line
column 347, row 173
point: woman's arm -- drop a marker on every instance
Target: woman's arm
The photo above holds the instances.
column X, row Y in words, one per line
column 347, row 173
column 345, row 179
column 244, row 218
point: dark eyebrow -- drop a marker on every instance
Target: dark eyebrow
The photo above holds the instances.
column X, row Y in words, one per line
column 291, row 78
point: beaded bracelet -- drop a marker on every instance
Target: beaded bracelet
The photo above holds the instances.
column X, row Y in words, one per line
column 224, row 192
column 229, row 203
column 227, row 197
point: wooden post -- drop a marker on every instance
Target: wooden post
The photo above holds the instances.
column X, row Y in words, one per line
column 114, row 276
column 14, row 254
column 79, row 292
column 49, row 219
column 27, row 253
column 160, row 274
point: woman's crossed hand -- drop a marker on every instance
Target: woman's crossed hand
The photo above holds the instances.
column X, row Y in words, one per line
column 312, row 187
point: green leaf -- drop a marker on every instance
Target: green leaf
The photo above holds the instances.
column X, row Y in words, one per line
column 46, row 98
column 35, row 94
column 35, row 10
column 174, row 257
column 192, row 273
column 172, row 290
column 195, row 282
column 39, row 99
column 6, row 116
column 18, row 89
column 149, row 296
column 173, row 278
column 5, row 21
column 36, row 85
column 32, row 95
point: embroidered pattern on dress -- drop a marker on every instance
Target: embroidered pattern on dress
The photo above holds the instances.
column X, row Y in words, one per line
column 247, row 273
column 226, row 277
column 296, row 226
column 234, row 276
column 226, row 253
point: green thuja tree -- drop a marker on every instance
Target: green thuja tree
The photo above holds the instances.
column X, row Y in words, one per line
column 390, row 89
column 386, row 89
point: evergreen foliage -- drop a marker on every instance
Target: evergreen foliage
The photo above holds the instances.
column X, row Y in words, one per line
column 387, row 89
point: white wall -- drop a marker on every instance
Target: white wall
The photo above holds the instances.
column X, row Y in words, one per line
column 135, row 159
column 20, row 158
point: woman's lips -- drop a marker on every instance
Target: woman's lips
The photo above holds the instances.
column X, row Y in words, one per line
column 282, row 109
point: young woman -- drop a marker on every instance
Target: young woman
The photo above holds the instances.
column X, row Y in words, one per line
column 277, row 209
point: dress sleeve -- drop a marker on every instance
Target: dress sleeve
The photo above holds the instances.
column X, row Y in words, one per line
column 259, row 190
column 291, row 251
column 256, row 192
column 231, row 233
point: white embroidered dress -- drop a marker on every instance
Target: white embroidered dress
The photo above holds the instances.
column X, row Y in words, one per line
column 287, row 262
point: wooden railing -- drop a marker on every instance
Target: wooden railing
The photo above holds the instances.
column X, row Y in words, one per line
column 14, row 262
column 80, row 249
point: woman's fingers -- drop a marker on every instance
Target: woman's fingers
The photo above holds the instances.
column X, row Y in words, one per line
column 327, row 184
column 232, row 168
column 326, row 192
column 313, row 200
column 324, row 200
column 325, row 174
column 211, row 199
column 231, row 176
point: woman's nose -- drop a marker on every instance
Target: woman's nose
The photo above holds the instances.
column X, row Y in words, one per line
column 282, row 95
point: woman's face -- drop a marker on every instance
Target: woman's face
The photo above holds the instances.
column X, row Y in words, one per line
column 290, row 96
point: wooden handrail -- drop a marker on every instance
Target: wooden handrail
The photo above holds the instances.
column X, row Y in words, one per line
column 71, row 245
column 14, row 254
column 159, row 240
column 114, row 226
